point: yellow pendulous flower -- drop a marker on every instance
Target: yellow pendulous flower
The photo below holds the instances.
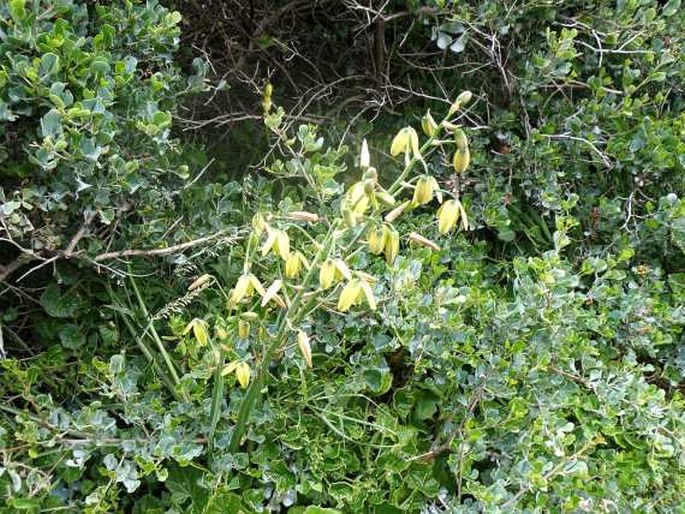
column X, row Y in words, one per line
column 327, row 274
column 271, row 293
column 200, row 332
column 246, row 285
column 400, row 142
column 448, row 216
column 414, row 142
column 368, row 293
column 462, row 158
column 242, row 289
column 376, row 240
column 242, row 372
column 341, row 270
column 278, row 242
column 392, row 244
column 350, row 295
column 425, row 190
column 293, row 265
column 282, row 245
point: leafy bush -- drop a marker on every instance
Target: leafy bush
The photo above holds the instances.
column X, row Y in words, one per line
column 87, row 95
column 428, row 323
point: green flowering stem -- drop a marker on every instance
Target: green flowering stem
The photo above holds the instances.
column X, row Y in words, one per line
column 250, row 398
column 432, row 141
column 217, row 395
column 399, row 182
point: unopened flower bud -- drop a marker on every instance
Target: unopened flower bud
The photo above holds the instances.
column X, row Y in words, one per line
column 365, row 157
column 303, row 216
column 422, row 241
column 305, row 347
column 385, row 198
column 371, row 174
column 464, row 98
column 243, row 329
column 428, row 124
column 460, row 138
column 395, row 213
column 199, row 282
column 258, row 223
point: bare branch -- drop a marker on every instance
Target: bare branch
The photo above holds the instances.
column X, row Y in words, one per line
column 159, row 252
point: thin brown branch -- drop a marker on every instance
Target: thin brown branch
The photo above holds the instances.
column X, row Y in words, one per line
column 6, row 271
column 77, row 237
column 159, row 252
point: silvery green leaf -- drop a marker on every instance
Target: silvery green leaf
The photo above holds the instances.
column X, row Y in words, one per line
column 459, row 44
column 444, row 40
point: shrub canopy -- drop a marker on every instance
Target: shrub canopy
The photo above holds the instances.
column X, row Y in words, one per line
column 279, row 259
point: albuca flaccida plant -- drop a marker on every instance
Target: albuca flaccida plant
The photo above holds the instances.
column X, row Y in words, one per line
column 299, row 262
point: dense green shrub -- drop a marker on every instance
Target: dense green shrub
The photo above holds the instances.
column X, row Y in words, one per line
column 87, row 94
column 533, row 363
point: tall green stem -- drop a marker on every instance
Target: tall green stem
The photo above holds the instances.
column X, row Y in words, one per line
column 397, row 185
column 217, row 395
column 250, row 398
column 155, row 335
column 149, row 355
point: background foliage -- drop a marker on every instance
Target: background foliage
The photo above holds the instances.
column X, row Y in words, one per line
column 534, row 363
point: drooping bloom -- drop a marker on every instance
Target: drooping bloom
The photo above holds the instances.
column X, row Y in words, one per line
column 448, row 216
